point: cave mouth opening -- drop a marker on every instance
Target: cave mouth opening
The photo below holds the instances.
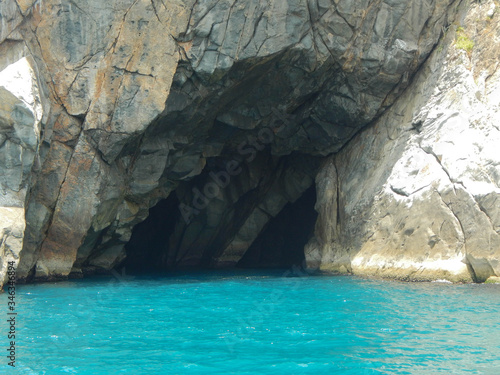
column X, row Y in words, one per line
column 149, row 245
column 280, row 244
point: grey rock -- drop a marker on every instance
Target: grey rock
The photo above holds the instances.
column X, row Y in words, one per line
column 417, row 191
column 18, row 146
column 143, row 101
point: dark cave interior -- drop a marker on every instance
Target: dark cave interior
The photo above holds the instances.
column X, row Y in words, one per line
column 279, row 245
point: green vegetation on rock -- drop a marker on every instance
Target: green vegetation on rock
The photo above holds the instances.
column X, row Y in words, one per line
column 463, row 41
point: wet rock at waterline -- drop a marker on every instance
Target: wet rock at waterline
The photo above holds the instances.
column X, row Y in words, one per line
column 417, row 194
column 216, row 116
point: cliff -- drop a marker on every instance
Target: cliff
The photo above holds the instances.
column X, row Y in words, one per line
column 355, row 137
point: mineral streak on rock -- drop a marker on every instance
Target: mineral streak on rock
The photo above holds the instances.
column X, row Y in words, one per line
column 108, row 108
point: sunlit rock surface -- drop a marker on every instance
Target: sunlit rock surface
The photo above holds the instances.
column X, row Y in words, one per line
column 418, row 192
column 20, row 116
column 229, row 112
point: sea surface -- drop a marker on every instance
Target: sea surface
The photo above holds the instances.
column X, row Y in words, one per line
column 253, row 322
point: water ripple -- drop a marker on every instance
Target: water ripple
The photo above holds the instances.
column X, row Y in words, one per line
column 253, row 324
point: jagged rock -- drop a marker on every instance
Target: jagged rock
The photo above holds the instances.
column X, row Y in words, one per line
column 145, row 101
column 19, row 122
column 418, row 191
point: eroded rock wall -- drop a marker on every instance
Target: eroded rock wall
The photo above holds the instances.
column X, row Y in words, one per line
column 418, row 193
column 20, row 117
column 146, row 98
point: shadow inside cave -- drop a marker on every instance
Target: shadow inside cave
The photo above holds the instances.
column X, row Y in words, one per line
column 149, row 244
column 280, row 244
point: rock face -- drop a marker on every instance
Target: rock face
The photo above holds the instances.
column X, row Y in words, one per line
column 20, row 116
column 223, row 113
column 418, row 192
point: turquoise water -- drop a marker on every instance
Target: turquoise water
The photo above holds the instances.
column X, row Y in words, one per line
column 248, row 323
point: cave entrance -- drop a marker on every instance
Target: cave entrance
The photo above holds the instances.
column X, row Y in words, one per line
column 158, row 244
column 148, row 247
column 281, row 243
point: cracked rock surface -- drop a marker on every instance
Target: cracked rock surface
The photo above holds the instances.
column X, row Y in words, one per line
column 419, row 191
column 145, row 101
column 20, row 116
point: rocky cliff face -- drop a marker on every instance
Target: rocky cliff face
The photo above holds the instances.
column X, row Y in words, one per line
column 222, row 117
column 418, row 192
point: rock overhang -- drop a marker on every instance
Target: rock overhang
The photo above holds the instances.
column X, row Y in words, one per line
column 144, row 107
